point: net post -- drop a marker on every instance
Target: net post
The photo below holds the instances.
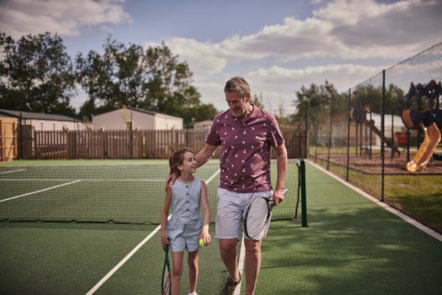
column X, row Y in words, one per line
column 303, row 195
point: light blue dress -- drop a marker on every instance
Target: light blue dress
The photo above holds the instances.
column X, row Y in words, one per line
column 184, row 227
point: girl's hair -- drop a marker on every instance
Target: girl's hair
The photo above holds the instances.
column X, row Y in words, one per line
column 237, row 84
column 176, row 159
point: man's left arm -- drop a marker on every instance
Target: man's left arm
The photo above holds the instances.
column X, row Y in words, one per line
column 281, row 166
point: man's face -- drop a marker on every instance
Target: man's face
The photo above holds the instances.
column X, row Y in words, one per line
column 238, row 105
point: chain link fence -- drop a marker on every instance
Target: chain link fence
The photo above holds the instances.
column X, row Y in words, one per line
column 384, row 136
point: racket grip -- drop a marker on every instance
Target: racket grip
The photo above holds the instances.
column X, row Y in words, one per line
column 285, row 191
column 166, row 248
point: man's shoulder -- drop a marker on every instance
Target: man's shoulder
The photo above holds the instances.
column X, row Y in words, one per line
column 264, row 115
column 222, row 116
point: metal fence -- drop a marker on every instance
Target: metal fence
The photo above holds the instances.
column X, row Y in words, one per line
column 386, row 138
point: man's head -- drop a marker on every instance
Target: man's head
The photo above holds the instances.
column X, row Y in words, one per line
column 237, row 92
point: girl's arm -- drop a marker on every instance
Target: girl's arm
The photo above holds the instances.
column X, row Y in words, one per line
column 205, row 235
column 164, row 216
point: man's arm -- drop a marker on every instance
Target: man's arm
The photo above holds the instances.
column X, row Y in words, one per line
column 281, row 169
column 201, row 158
column 205, row 154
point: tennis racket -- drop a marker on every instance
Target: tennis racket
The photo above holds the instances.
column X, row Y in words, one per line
column 257, row 217
column 165, row 280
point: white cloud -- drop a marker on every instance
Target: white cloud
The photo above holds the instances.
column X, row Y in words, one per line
column 343, row 41
column 343, row 29
column 68, row 18
column 207, row 58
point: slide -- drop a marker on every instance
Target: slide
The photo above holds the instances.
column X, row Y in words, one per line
column 389, row 142
column 423, row 155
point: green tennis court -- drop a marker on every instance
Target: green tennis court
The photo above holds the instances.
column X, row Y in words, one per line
column 78, row 246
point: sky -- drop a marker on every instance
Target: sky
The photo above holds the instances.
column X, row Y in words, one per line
column 277, row 45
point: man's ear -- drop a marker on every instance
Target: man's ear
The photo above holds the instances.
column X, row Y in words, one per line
column 247, row 97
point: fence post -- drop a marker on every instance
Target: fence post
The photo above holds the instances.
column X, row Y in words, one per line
column 303, row 195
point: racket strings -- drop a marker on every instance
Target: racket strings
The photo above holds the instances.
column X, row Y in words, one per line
column 257, row 217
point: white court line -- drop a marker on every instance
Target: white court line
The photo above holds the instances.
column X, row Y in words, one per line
column 120, row 264
column 241, row 260
column 134, row 250
column 12, row 171
column 40, row 191
column 396, row 212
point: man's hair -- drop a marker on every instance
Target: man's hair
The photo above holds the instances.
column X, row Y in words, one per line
column 237, row 84
column 176, row 159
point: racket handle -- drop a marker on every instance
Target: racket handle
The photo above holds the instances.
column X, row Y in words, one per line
column 166, row 248
column 285, row 191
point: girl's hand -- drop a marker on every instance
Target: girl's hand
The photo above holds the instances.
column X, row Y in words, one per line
column 165, row 242
column 206, row 238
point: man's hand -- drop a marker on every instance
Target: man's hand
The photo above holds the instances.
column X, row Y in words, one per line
column 278, row 196
column 170, row 180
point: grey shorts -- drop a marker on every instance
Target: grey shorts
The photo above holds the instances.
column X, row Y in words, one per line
column 231, row 211
column 184, row 236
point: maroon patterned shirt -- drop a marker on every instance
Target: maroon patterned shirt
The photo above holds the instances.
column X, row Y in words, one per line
column 245, row 149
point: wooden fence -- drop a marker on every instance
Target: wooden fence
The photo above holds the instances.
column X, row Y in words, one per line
column 128, row 144
column 8, row 139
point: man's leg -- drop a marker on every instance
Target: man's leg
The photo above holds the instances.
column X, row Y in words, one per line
column 227, row 248
column 252, row 264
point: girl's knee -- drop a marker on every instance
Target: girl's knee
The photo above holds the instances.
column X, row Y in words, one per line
column 177, row 271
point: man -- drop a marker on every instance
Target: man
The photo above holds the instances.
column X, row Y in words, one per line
column 246, row 135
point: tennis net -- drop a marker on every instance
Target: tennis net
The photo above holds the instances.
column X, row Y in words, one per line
column 107, row 193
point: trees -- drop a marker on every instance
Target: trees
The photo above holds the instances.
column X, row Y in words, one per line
column 111, row 79
column 36, row 74
column 369, row 95
column 153, row 79
column 315, row 100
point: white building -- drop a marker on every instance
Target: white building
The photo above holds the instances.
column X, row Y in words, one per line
column 124, row 118
column 43, row 122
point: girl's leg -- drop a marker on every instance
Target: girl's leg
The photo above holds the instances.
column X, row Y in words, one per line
column 177, row 270
column 192, row 261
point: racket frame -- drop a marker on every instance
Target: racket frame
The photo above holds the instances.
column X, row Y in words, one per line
column 270, row 204
column 166, row 286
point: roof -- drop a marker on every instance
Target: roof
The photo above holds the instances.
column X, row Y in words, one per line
column 151, row 113
column 36, row 116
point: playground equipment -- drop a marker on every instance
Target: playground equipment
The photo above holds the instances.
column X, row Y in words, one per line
column 428, row 118
column 431, row 140
column 359, row 115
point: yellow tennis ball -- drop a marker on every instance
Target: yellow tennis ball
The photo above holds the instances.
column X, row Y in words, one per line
column 202, row 243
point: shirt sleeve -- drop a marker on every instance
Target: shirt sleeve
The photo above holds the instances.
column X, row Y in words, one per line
column 276, row 138
column 213, row 136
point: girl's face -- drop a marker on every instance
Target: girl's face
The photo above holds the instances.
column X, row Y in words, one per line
column 189, row 163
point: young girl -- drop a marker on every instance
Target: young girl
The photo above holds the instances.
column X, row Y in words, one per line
column 186, row 225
